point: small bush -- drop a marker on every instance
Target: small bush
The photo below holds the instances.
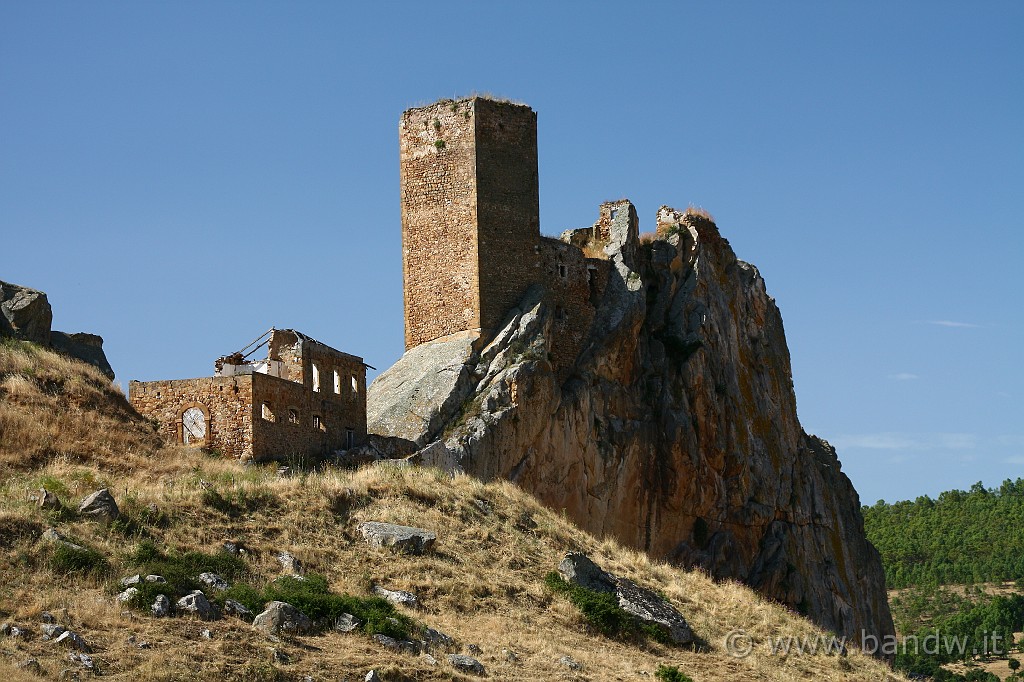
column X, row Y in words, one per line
column 602, row 611
column 180, row 569
column 313, row 597
column 66, row 560
column 439, row 144
column 671, row 673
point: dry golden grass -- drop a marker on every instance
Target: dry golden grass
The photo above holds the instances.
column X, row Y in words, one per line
column 52, row 406
column 483, row 584
column 698, row 211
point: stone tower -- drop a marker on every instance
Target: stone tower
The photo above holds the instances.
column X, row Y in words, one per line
column 470, row 214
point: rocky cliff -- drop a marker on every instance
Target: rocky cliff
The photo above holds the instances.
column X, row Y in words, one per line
column 676, row 431
column 26, row 314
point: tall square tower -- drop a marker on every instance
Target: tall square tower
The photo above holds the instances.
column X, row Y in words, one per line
column 470, row 214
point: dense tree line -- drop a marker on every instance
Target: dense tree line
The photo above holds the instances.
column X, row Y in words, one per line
column 963, row 537
column 941, row 626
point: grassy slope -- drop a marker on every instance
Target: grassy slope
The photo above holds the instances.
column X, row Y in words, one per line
column 483, row 585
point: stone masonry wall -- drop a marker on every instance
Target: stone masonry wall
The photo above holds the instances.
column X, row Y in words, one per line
column 567, row 275
column 508, row 206
column 437, row 151
column 226, row 402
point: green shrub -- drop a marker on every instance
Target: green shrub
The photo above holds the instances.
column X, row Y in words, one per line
column 602, row 611
column 671, row 673
column 312, row 595
column 180, row 570
column 67, row 560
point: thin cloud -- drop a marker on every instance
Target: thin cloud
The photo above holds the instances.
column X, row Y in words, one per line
column 951, row 323
column 904, row 376
column 908, row 441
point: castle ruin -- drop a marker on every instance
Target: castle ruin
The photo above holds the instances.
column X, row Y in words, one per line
column 304, row 399
column 471, row 241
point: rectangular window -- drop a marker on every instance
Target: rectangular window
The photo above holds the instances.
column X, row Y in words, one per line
column 355, row 385
column 316, row 422
column 267, row 413
column 316, row 378
column 337, row 382
column 350, row 439
column 563, row 271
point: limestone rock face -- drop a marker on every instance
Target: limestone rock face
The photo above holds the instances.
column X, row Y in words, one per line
column 675, row 430
column 26, row 312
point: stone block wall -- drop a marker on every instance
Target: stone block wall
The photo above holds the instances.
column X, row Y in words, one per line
column 437, row 168
column 571, row 281
column 225, row 401
column 470, row 214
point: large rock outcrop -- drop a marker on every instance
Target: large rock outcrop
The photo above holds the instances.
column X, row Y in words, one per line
column 676, row 430
column 26, row 314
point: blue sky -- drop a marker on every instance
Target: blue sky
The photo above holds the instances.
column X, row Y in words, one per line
column 178, row 177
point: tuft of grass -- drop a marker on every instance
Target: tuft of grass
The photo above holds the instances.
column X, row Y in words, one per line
column 671, row 673
column 602, row 611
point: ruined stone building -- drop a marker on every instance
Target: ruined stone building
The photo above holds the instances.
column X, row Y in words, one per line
column 304, row 399
column 471, row 241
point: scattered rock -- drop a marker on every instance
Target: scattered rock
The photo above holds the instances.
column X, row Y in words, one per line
column 372, row 676
column 282, row 617
column 400, row 538
column 400, row 645
column 483, row 505
column 128, row 595
column 234, row 608
column 510, row 656
column 100, row 505
column 47, row 617
column 400, row 597
column 640, row 602
column 525, row 521
column 205, row 633
column 131, row 580
column 436, row 638
column 474, row 649
column 161, row 607
column 232, row 547
column 83, row 660
column 51, row 535
column 466, row 664
column 31, row 665
column 48, row 500
column 347, row 623
column 196, row 602
column 429, row 660
column 577, row 568
column 144, row 645
column 652, row 609
column 278, row 656
column 290, row 564
column 74, row 640
column 213, row 580
column 156, row 579
column 570, row 663
column 5, row 630
column 52, row 630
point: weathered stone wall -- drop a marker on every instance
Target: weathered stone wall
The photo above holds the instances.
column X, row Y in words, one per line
column 265, row 417
column 566, row 276
column 284, row 424
column 437, row 149
column 508, row 207
column 226, row 402
column 470, row 214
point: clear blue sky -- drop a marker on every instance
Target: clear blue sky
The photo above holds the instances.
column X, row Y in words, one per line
column 181, row 176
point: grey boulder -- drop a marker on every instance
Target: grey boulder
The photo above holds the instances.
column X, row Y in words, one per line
column 281, row 617
column 100, row 505
column 400, row 597
column 466, row 664
column 161, row 607
column 26, row 313
column 406, row 539
column 74, row 640
column 196, row 603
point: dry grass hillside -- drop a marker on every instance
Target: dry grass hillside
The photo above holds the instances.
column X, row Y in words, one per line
column 484, row 584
